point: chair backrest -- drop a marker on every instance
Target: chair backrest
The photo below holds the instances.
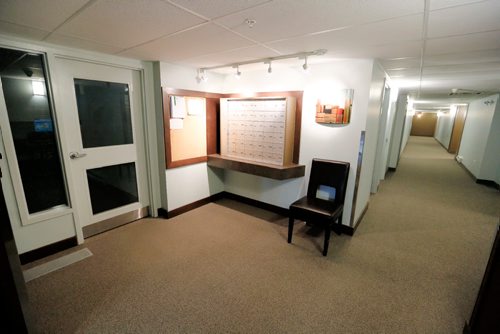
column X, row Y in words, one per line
column 329, row 173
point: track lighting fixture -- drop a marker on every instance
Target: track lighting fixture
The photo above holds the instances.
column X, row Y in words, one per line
column 202, row 71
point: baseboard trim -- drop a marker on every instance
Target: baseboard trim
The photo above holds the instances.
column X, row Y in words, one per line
column 344, row 229
column 488, row 183
column 162, row 213
column 194, row 205
column 261, row 205
column 360, row 219
column 40, row 253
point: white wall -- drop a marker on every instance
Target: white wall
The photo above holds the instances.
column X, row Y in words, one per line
column 372, row 125
column 389, row 129
column 338, row 142
column 476, row 134
column 490, row 165
column 444, row 126
column 407, row 128
column 191, row 183
column 398, row 129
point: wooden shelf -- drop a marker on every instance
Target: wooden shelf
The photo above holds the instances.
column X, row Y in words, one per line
column 276, row 172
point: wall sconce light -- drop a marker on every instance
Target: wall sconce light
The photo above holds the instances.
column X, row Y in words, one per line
column 38, row 87
column 489, row 102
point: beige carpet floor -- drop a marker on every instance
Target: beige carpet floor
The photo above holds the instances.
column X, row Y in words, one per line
column 414, row 265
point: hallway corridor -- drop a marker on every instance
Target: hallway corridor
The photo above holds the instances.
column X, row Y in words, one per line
column 414, row 265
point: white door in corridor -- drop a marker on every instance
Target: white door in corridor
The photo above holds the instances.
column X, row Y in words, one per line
column 100, row 107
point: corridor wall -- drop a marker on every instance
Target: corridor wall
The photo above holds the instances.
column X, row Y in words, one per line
column 480, row 145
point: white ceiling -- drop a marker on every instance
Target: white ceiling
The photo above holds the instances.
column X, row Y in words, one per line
column 445, row 43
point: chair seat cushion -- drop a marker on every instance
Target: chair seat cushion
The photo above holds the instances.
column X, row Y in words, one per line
column 308, row 208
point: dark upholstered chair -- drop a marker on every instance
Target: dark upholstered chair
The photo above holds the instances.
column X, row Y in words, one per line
column 323, row 211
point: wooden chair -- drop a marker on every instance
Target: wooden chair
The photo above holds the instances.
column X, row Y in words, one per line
column 327, row 177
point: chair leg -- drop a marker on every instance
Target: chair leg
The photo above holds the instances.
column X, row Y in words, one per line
column 328, row 230
column 337, row 228
column 290, row 229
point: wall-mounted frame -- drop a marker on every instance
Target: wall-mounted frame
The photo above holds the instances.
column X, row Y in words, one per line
column 190, row 132
column 336, row 108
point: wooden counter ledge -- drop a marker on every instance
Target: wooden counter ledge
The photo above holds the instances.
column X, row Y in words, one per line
column 257, row 168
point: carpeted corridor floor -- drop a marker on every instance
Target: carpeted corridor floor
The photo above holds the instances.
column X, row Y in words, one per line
column 414, row 265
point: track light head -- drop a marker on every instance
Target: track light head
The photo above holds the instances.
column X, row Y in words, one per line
column 238, row 73
column 305, row 67
column 201, row 76
column 269, row 69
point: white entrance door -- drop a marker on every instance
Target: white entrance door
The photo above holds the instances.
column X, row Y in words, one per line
column 100, row 108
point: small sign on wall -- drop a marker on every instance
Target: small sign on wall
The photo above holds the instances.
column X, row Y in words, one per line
column 336, row 108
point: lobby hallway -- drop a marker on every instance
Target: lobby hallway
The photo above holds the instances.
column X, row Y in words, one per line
column 414, row 265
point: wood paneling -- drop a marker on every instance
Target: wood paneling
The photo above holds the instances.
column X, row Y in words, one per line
column 424, row 124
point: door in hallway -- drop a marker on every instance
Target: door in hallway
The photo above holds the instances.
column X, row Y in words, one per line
column 105, row 150
column 458, row 129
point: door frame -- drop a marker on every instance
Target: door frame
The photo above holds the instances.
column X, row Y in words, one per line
column 148, row 112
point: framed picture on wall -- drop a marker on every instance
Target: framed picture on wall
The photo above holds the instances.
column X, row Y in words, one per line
column 336, row 108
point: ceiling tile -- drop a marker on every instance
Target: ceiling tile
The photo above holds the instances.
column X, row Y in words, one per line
column 359, row 38
column 126, row 23
column 290, row 18
column 231, row 56
column 397, row 49
column 81, row 44
column 40, row 14
column 463, row 68
column 403, row 73
column 22, row 31
column 407, row 62
column 477, row 17
column 204, row 40
column 217, row 8
column 438, row 4
column 484, row 56
column 464, row 43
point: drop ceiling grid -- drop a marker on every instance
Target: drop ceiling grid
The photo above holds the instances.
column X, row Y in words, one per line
column 217, row 8
column 230, row 56
column 399, row 30
column 207, row 39
column 438, row 4
column 20, row 30
column 477, row 17
column 128, row 25
column 40, row 14
column 463, row 43
column 82, row 44
column 282, row 19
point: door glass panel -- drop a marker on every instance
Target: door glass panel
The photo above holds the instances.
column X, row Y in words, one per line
column 112, row 186
column 32, row 126
column 104, row 113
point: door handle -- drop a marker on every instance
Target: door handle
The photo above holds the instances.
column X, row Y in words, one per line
column 76, row 155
